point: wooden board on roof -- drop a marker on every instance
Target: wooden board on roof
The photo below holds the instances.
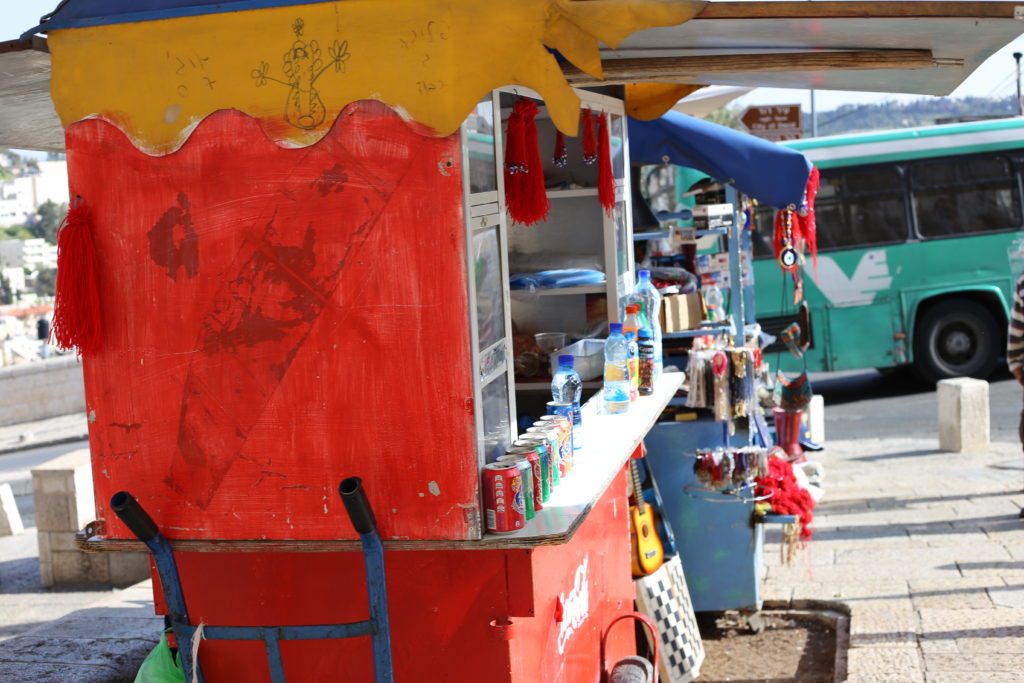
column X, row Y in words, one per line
column 828, row 44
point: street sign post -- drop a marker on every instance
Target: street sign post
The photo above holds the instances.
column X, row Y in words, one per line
column 775, row 122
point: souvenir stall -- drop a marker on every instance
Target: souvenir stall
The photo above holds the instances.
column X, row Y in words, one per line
column 708, row 467
column 286, row 270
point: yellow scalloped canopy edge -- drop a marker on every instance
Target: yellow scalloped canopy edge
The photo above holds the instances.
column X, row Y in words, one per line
column 295, row 68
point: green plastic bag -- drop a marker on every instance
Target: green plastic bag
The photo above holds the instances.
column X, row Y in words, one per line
column 160, row 666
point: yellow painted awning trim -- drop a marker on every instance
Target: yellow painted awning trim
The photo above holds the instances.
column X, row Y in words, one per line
column 296, row 68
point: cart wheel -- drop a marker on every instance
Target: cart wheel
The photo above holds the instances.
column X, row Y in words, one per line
column 632, row 670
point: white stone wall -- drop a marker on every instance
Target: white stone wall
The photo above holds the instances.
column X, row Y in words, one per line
column 36, row 391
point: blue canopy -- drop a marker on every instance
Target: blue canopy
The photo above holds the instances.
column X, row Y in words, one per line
column 768, row 172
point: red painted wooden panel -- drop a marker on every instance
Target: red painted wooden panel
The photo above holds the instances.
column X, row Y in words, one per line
column 278, row 319
column 442, row 604
column 548, row 650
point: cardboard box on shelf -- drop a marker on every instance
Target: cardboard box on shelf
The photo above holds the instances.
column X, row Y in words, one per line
column 681, row 312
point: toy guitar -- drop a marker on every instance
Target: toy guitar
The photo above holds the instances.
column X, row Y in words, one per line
column 647, row 551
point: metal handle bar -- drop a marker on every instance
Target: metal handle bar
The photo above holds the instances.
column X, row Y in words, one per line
column 135, row 518
column 357, row 505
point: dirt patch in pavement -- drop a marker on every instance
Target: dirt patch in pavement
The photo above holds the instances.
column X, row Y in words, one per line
column 790, row 648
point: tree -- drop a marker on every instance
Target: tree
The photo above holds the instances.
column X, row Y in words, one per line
column 45, row 283
column 725, row 116
column 50, row 214
column 6, row 292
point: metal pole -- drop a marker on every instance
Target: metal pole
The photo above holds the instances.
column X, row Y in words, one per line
column 1020, row 105
column 814, row 112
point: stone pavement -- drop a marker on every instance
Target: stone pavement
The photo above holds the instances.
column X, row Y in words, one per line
column 52, row 430
column 927, row 551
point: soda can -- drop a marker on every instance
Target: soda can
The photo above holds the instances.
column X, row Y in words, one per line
column 575, row 416
column 554, row 441
column 504, row 502
column 536, row 473
column 550, row 448
column 541, row 473
column 573, row 430
column 526, row 468
column 564, row 442
column 562, row 425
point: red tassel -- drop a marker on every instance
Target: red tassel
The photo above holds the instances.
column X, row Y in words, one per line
column 589, row 142
column 808, row 226
column 76, row 313
column 559, row 157
column 605, row 180
column 525, row 195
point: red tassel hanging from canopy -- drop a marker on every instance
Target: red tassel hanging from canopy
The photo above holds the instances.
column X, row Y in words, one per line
column 589, row 141
column 525, row 197
column 605, row 180
column 76, row 312
column 559, row 157
column 808, row 227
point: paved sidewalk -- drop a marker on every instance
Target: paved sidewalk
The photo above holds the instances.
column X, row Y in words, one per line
column 927, row 550
column 52, row 430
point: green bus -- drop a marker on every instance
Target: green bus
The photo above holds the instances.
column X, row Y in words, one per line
column 916, row 232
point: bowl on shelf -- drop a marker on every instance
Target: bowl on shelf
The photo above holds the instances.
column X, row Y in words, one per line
column 550, row 341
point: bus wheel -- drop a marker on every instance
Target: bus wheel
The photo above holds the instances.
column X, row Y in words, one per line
column 956, row 338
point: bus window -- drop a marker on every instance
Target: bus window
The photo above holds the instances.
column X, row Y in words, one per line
column 966, row 195
column 861, row 207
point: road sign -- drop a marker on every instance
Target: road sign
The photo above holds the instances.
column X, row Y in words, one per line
column 775, row 122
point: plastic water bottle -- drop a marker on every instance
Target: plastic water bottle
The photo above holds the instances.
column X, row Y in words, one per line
column 566, row 387
column 714, row 301
column 649, row 298
column 616, row 371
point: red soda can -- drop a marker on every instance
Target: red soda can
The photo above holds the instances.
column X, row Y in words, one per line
column 504, row 505
column 527, row 471
column 554, row 437
column 538, row 456
column 550, row 449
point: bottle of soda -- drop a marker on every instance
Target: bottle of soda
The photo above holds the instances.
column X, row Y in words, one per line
column 566, row 387
column 650, row 300
column 631, row 329
column 616, row 371
column 646, row 350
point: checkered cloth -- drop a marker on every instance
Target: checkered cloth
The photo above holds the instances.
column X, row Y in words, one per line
column 663, row 597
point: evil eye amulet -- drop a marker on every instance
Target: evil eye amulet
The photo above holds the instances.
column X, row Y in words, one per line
column 788, row 258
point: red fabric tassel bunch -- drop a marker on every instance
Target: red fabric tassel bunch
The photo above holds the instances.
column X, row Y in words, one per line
column 589, row 141
column 787, row 497
column 808, row 228
column 525, row 195
column 76, row 312
column 605, row 180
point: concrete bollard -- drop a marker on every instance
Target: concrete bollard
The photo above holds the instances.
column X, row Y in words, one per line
column 814, row 418
column 963, row 415
column 10, row 518
column 63, row 493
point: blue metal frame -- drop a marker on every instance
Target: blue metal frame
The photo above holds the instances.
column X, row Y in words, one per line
column 377, row 626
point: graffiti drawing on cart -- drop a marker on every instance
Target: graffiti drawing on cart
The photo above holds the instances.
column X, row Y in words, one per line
column 303, row 65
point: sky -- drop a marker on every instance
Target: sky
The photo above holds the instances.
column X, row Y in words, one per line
column 994, row 78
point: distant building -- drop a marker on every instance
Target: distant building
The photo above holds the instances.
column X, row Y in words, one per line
column 32, row 254
column 21, row 197
column 15, row 277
